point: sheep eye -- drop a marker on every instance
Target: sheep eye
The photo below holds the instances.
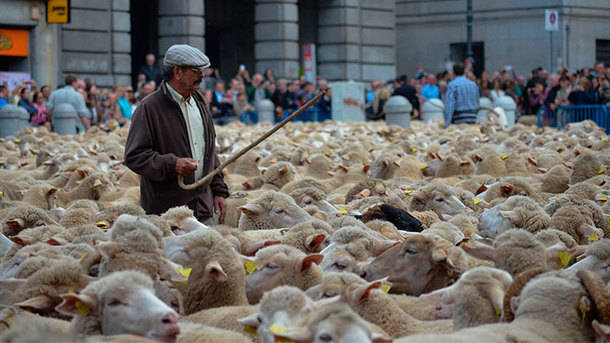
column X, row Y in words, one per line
column 307, row 201
column 271, row 266
column 339, row 266
column 410, row 252
column 325, row 338
column 329, row 294
column 439, row 199
column 279, row 210
column 115, row 302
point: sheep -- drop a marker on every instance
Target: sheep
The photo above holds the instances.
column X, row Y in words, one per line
column 585, row 167
column 25, row 217
column 401, row 219
column 74, row 233
column 76, row 216
column 183, row 218
column 438, row 198
column 418, row 265
column 120, row 303
column 514, row 250
column 333, row 322
column 570, row 220
column 550, row 308
column 596, row 259
column 42, row 196
column 218, row 275
column 282, row 265
column 556, row 180
column 587, row 207
column 516, row 212
column 311, row 196
column 271, row 210
column 37, row 234
column 475, row 299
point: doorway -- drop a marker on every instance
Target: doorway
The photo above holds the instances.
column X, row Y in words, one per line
column 144, row 34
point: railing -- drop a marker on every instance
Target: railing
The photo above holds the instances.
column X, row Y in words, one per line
column 564, row 115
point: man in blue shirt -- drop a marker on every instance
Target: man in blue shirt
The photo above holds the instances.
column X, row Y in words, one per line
column 461, row 99
column 430, row 90
column 3, row 96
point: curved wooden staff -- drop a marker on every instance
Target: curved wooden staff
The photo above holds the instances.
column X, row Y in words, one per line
column 252, row 145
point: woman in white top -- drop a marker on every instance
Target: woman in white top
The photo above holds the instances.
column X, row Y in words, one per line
column 497, row 91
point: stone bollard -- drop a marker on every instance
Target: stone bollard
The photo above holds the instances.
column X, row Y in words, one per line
column 65, row 119
column 484, row 102
column 12, row 120
column 398, row 111
column 266, row 111
column 508, row 105
column 433, row 109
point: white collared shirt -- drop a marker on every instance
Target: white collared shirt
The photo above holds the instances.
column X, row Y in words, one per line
column 194, row 125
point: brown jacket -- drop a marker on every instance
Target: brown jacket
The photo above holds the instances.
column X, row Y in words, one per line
column 157, row 138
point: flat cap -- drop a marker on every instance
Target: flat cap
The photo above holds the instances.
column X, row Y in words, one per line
column 185, row 55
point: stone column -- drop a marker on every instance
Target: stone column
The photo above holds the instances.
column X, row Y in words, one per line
column 181, row 22
column 121, row 42
column 276, row 35
column 356, row 39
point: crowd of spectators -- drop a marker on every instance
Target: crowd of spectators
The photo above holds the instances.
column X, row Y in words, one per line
column 587, row 86
column 239, row 97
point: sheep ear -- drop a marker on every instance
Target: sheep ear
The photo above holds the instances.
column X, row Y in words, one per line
column 173, row 272
column 342, row 168
column 15, row 223
column 283, row 170
column 507, row 189
column 366, row 168
column 511, row 215
column 253, row 248
column 362, row 292
column 21, row 239
column 251, row 210
column 313, row 242
column 377, row 337
column 379, row 247
column 251, row 320
column 310, row 259
column 496, row 296
column 51, row 191
column 602, row 330
column 421, row 196
column 480, row 250
column 76, row 304
column 514, row 303
column 38, row 303
column 215, row 271
column 385, row 163
column 108, row 249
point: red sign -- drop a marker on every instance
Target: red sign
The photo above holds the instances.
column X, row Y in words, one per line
column 309, row 62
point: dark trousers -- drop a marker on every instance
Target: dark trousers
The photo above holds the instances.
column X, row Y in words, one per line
column 464, row 117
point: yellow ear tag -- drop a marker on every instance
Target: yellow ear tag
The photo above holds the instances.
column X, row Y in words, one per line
column 422, row 167
column 250, row 266
column 82, row 308
column 564, row 259
column 603, row 197
column 249, row 200
column 409, row 191
column 1, row 193
column 601, row 171
column 251, row 330
column 505, row 156
column 342, row 210
column 593, row 237
column 414, row 149
column 584, row 313
column 102, row 225
column 385, row 288
column 477, row 201
column 604, row 139
column 186, row 272
column 557, row 196
column 277, row 329
column 80, row 260
column 608, row 221
column 497, row 309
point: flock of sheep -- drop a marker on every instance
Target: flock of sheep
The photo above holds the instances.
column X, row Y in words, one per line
column 335, row 232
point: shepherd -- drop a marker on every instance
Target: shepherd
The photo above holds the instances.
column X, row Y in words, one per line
column 172, row 135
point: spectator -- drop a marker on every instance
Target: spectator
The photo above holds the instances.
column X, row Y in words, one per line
column 497, row 91
column 41, row 117
column 122, row 101
column 46, row 93
column 370, row 97
column 537, row 96
column 24, row 101
column 223, row 104
column 4, row 91
column 209, row 79
column 584, row 94
column 129, row 94
column 280, row 99
column 404, row 89
column 442, row 89
column 269, row 75
column 554, row 88
column 256, row 91
column 68, row 95
column 561, row 98
column 604, row 91
column 246, row 112
column 149, row 70
column 462, row 99
column 382, row 95
column 430, row 90
column 324, row 104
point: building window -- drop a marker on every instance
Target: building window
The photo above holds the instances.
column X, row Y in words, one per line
column 602, row 51
column 459, row 53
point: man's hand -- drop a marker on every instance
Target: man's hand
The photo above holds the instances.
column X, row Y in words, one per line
column 220, row 205
column 185, row 166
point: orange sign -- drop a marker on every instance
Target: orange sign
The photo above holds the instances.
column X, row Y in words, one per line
column 13, row 42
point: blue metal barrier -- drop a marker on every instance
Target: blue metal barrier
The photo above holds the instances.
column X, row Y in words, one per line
column 563, row 115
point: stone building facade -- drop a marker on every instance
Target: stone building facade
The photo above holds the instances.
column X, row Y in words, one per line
column 354, row 39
